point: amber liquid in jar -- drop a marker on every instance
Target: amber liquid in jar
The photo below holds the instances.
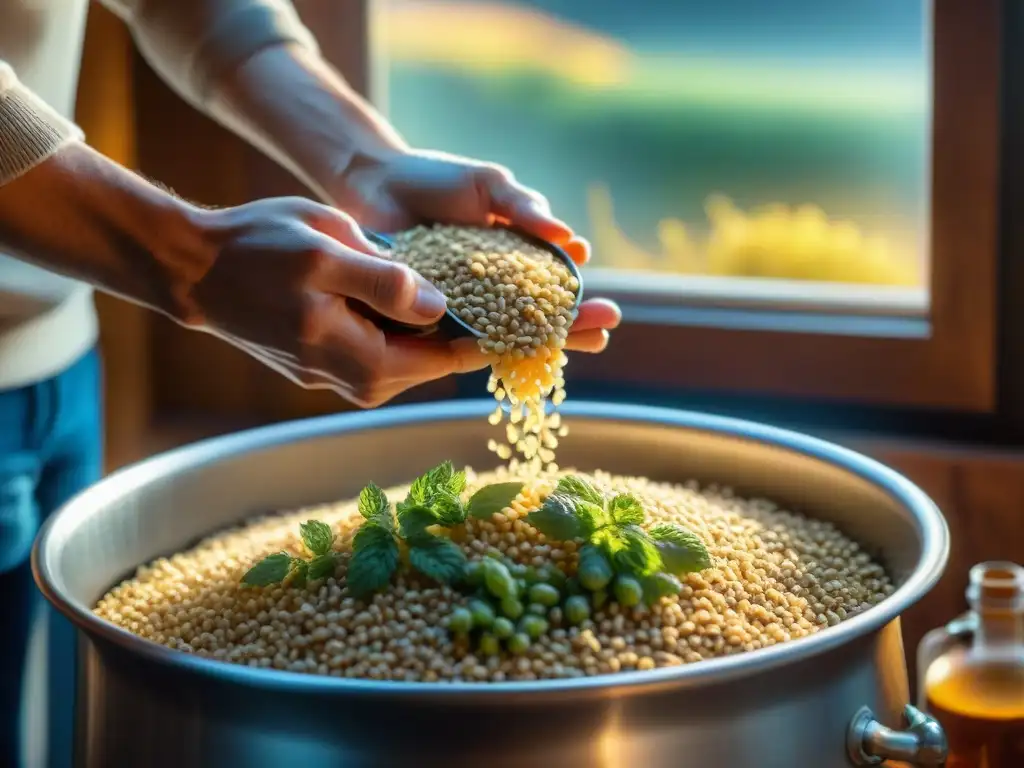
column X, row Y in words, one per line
column 976, row 690
column 981, row 708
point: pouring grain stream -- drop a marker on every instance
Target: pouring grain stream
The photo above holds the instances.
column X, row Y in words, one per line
column 520, row 298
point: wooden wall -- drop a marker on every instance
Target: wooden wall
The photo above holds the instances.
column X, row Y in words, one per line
column 156, row 371
column 106, row 112
column 981, row 495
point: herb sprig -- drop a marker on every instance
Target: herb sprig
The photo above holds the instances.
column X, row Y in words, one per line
column 280, row 567
column 414, row 527
column 615, row 541
column 417, row 528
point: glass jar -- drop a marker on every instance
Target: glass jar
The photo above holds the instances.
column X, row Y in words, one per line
column 971, row 672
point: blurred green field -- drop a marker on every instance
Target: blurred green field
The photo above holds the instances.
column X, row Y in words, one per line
column 662, row 150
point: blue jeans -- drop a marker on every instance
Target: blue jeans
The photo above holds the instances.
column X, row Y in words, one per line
column 50, row 449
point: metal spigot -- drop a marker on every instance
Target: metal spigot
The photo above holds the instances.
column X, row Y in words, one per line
column 923, row 742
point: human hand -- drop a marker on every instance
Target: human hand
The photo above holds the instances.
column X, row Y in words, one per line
column 289, row 281
column 402, row 188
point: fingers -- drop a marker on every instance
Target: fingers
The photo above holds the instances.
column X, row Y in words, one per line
column 597, row 313
column 358, row 269
column 578, row 250
column 341, row 227
column 589, row 332
column 425, row 360
column 592, row 341
column 407, row 363
column 390, row 288
column 520, row 206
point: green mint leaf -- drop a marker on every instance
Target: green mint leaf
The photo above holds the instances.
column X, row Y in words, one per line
column 448, row 508
column 491, row 499
column 419, row 490
column 457, row 483
column 317, row 536
column 374, row 559
column 557, row 519
column 439, row 559
column 299, row 572
column 659, row 585
column 270, row 570
column 626, row 510
column 414, row 519
column 440, row 490
column 441, row 477
column 321, row 567
column 443, row 480
column 579, row 488
column 630, row 549
column 374, row 506
column 681, row 551
column 592, row 517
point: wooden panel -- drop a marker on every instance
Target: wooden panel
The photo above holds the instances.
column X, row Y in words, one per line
column 981, row 495
column 105, row 111
column 200, row 161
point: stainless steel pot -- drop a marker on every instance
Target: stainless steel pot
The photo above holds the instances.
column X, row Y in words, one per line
column 833, row 699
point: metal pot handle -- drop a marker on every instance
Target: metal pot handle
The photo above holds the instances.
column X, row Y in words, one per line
column 923, row 742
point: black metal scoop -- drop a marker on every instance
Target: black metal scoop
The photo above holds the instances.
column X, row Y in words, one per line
column 451, row 326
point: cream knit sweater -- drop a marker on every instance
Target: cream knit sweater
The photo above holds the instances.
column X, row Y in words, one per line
column 48, row 321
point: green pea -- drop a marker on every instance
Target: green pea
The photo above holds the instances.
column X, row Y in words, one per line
column 483, row 614
column 577, row 609
column 573, row 586
column 545, row 594
column 628, row 591
column 659, row 585
column 460, row 621
column 537, row 609
column 518, row 570
column 474, row 573
column 512, row 607
column 498, row 580
column 503, row 628
column 594, row 571
column 535, row 575
column 521, row 586
column 599, row 598
column 534, row 626
column 519, row 643
column 554, row 576
column 489, row 645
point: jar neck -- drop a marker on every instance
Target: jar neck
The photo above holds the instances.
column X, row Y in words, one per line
column 999, row 631
column 996, row 595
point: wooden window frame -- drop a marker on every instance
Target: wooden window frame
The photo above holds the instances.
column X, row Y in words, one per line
column 945, row 360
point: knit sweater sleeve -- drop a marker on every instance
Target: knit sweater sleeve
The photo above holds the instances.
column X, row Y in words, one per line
column 30, row 129
column 193, row 43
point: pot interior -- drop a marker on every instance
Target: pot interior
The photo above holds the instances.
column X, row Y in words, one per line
column 165, row 504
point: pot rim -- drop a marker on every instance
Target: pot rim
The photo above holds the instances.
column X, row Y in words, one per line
column 932, row 529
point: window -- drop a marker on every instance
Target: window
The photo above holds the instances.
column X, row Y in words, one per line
column 793, row 198
column 740, row 139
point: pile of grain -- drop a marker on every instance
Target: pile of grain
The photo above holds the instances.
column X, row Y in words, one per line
column 777, row 576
